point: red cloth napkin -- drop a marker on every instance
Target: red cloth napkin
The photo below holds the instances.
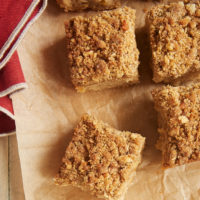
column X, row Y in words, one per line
column 15, row 19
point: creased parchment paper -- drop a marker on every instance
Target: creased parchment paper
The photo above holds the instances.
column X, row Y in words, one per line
column 47, row 112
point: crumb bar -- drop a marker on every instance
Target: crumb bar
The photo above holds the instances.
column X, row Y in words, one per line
column 78, row 5
column 102, row 50
column 178, row 123
column 174, row 31
column 100, row 159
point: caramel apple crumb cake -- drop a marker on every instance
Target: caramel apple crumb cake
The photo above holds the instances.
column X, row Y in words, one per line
column 178, row 123
column 174, row 31
column 102, row 50
column 79, row 5
column 101, row 159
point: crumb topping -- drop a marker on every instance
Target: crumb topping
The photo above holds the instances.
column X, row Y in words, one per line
column 102, row 47
column 78, row 5
column 175, row 39
column 99, row 158
column 179, row 123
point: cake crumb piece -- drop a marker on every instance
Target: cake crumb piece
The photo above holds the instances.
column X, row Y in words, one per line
column 175, row 41
column 100, row 159
column 102, row 50
column 79, row 5
column 178, row 123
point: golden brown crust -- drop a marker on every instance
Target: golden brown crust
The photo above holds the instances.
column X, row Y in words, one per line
column 78, row 5
column 102, row 48
column 175, row 39
column 178, row 123
column 100, row 159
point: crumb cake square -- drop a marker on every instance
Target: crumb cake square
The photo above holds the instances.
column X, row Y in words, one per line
column 174, row 31
column 178, row 123
column 102, row 50
column 101, row 159
column 78, row 5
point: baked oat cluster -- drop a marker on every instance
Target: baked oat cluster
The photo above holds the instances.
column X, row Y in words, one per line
column 79, row 5
column 102, row 50
column 175, row 40
column 178, row 123
column 101, row 159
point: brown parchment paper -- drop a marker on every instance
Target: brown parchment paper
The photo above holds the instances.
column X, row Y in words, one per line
column 48, row 110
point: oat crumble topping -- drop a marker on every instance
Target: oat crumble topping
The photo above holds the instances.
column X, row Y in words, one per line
column 79, row 5
column 102, row 49
column 100, row 159
column 175, row 39
column 178, row 123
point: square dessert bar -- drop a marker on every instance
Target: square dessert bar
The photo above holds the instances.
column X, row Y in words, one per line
column 78, row 5
column 175, row 41
column 178, row 123
column 102, row 50
column 101, row 159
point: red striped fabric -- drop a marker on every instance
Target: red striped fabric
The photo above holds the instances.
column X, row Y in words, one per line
column 15, row 18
